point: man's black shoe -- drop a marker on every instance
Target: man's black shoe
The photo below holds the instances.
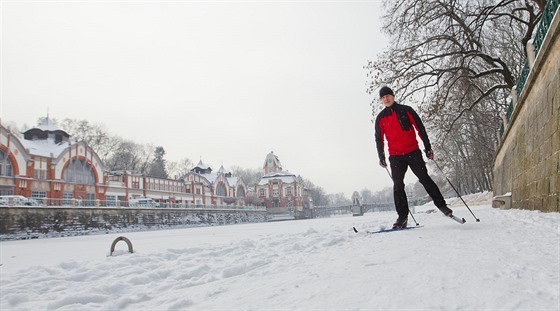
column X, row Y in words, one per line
column 446, row 211
column 400, row 223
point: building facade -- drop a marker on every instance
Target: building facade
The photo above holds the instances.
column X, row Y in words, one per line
column 46, row 165
column 225, row 188
column 281, row 191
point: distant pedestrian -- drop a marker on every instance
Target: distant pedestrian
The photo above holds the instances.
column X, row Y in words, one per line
column 398, row 124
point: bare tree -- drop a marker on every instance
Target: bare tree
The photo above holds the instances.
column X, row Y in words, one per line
column 320, row 198
column 457, row 60
column 438, row 46
column 249, row 176
column 339, row 199
column 252, row 199
column 13, row 128
column 383, row 196
column 367, row 196
column 127, row 156
column 94, row 135
column 179, row 169
column 146, row 155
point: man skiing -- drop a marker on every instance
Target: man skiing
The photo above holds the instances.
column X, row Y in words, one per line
column 397, row 123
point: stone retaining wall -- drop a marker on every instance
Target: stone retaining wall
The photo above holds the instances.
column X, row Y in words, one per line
column 38, row 222
column 527, row 163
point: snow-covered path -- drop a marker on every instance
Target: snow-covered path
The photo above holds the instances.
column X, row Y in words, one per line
column 508, row 261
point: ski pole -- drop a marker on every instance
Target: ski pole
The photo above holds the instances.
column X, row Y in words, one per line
column 455, row 190
column 407, row 206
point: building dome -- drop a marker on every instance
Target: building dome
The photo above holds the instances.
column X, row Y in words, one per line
column 272, row 164
column 202, row 168
column 46, row 131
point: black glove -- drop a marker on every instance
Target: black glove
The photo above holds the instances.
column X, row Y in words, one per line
column 383, row 163
column 429, row 154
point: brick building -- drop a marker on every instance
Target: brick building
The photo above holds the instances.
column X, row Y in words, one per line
column 282, row 192
column 45, row 164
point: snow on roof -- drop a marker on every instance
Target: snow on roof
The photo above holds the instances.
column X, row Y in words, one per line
column 232, row 181
column 202, row 165
column 211, row 177
column 223, row 170
column 47, row 126
column 285, row 177
column 45, row 148
column 278, row 174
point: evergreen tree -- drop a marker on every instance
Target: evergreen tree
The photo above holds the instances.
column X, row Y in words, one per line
column 157, row 167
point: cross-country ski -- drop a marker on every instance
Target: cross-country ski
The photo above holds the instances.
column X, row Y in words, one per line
column 457, row 219
column 387, row 230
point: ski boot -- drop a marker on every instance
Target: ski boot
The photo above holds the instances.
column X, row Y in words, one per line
column 446, row 211
column 400, row 223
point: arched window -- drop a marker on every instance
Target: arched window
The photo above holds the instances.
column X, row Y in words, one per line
column 79, row 172
column 221, row 190
column 5, row 165
column 240, row 192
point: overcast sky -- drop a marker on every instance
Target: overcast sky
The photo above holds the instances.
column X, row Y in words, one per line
column 225, row 81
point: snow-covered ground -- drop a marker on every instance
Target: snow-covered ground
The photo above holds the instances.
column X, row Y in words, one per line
column 510, row 260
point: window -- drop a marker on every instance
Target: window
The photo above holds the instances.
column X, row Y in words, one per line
column 221, row 190
column 79, row 172
column 67, row 198
column 111, row 200
column 240, row 192
column 41, row 174
column 261, row 192
column 289, row 190
column 90, row 199
column 38, row 194
column 5, row 165
column 274, row 192
column 6, row 190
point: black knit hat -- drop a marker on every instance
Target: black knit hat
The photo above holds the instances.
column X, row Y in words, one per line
column 385, row 91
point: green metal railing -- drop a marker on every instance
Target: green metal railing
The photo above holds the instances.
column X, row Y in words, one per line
column 522, row 79
column 546, row 19
column 548, row 15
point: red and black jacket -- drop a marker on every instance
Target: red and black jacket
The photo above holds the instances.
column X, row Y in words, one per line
column 398, row 123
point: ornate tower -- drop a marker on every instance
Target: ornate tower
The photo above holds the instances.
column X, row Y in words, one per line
column 272, row 164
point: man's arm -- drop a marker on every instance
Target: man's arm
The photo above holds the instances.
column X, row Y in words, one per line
column 420, row 128
column 379, row 142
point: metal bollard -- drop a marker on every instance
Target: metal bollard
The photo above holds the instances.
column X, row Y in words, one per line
column 121, row 238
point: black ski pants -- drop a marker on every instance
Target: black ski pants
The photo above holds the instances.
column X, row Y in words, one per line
column 399, row 166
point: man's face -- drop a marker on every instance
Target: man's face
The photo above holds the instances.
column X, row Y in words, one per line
column 388, row 100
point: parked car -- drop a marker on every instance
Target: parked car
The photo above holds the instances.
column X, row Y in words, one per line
column 17, row 200
column 143, row 202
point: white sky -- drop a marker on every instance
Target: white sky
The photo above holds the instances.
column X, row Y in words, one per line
column 228, row 81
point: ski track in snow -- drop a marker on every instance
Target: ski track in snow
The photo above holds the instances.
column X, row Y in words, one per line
column 508, row 261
